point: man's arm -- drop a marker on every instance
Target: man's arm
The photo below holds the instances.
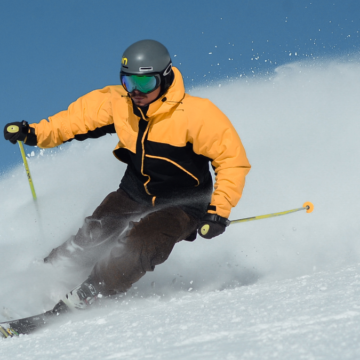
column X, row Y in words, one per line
column 88, row 117
column 217, row 139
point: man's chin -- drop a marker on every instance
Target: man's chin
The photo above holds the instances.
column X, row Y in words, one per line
column 137, row 103
column 140, row 102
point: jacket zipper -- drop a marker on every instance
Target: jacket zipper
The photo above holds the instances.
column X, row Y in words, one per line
column 143, row 152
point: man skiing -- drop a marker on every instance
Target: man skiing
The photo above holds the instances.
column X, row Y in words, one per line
column 167, row 139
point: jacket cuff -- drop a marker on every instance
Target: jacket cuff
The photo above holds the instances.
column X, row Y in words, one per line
column 213, row 209
column 31, row 138
column 216, row 219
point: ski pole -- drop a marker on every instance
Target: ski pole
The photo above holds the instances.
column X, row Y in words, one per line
column 308, row 206
column 14, row 129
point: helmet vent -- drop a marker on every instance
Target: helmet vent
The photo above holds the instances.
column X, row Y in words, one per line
column 167, row 70
column 148, row 68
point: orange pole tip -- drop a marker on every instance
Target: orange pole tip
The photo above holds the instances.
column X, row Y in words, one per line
column 308, row 206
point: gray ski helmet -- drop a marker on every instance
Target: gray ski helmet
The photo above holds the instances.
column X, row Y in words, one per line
column 144, row 57
column 147, row 57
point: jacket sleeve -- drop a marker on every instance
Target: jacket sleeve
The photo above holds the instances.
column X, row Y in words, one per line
column 217, row 139
column 88, row 117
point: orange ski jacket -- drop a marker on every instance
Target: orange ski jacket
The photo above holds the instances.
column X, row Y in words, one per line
column 169, row 147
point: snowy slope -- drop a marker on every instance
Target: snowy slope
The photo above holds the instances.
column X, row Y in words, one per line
column 310, row 317
column 273, row 289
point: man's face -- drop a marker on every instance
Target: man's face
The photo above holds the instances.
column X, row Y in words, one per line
column 141, row 99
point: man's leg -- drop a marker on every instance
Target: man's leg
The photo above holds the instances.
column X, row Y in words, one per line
column 100, row 230
column 146, row 244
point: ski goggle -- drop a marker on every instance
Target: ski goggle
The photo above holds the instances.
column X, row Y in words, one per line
column 142, row 83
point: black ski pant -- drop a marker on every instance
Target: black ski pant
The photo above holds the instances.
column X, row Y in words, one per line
column 123, row 239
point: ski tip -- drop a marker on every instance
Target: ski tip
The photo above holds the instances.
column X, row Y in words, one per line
column 7, row 331
column 308, row 206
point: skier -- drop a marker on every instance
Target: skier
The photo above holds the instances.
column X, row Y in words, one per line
column 167, row 139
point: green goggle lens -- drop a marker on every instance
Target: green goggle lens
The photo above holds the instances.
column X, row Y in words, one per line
column 144, row 84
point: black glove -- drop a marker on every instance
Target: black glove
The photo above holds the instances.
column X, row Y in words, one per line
column 16, row 131
column 20, row 131
column 212, row 225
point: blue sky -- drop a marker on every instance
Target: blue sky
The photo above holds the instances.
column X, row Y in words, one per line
column 52, row 52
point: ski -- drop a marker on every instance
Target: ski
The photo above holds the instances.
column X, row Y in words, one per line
column 30, row 324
